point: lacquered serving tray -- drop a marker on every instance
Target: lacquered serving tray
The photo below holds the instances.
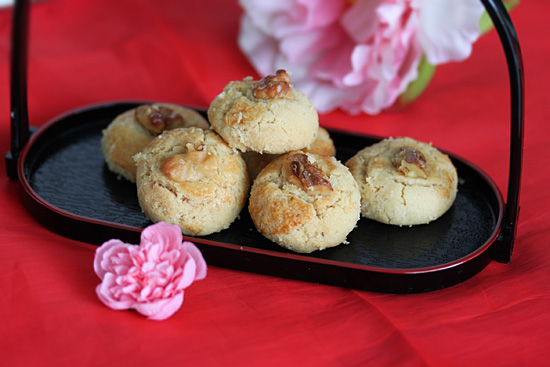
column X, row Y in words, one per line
column 79, row 197
column 67, row 186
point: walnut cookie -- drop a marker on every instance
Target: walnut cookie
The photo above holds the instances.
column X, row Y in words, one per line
column 305, row 202
column 191, row 177
column 130, row 132
column 264, row 116
column 404, row 181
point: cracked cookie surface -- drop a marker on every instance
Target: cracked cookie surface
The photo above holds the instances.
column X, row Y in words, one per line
column 192, row 178
column 305, row 202
column 274, row 124
column 403, row 181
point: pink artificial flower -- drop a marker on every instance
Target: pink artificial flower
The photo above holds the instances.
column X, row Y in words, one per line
column 151, row 277
column 357, row 55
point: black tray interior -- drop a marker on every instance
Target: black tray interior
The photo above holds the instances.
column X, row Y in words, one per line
column 65, row 168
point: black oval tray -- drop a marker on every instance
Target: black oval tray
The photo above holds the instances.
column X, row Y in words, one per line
column 63, row 171
column 67, row 186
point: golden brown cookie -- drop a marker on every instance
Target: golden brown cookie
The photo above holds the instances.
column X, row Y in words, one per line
column 305, row 202
column 191, row 177
column 265, row 116
column 130, row 132
column 404, row 181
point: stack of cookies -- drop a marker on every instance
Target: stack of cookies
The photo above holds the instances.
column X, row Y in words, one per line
column 263, row 144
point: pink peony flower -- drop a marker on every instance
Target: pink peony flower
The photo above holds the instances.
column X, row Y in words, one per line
column 151, row 277
column 357, row 55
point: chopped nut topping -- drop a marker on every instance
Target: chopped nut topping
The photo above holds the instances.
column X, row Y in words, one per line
column 156, row 118
column 410, row 162
column 194, row 165
column 273, row 86
column 301, row 172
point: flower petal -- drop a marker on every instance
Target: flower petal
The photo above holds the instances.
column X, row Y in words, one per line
column 105, row 252
column 304, row 47
column 160, row 234
column 194, row 253
column 360, row 21
column 261, row 49
column 187, row 277
column 270, row 15
column 161, row 309
column 448, row 28
column 105, row 293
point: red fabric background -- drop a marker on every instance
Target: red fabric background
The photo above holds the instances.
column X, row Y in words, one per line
column 85, row 52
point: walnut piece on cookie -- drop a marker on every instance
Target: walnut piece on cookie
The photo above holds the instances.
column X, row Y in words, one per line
column 305, row 202
column 403, row 181
column 130, row 132
column 264, row 116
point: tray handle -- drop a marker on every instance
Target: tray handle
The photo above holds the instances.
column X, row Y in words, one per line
column 501, row 250
column 19, row 118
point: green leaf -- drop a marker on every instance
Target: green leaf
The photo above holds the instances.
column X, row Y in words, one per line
column 485, row 22
column 415, row 88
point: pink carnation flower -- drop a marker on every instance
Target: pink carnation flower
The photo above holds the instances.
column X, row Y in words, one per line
column 151, row 277
column 357, row 55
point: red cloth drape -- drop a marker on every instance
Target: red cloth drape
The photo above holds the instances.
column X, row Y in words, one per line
column 84, row 52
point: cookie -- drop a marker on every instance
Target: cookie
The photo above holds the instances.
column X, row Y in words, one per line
column 404, row 181
column 192, row 178
column 265, row 116
column 322, row 144
column 305, row 202
column 130, row 132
